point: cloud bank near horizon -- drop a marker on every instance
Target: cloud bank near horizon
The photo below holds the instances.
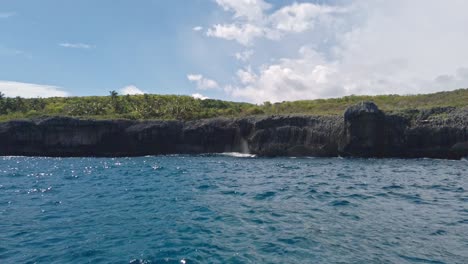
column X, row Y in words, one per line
column 30, row 90
column 131, row 90
column 362, row 47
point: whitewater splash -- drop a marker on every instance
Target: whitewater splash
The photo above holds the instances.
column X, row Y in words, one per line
column 238, row 155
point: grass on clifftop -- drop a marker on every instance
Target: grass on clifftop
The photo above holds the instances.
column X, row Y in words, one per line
column 172, row 107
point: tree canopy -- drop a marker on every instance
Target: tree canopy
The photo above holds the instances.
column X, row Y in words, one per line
column 175, row 107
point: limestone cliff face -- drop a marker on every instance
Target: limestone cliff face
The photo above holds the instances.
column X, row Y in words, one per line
column 296, row 136
column 363, row 131
column 445, row 137
column 435, row 133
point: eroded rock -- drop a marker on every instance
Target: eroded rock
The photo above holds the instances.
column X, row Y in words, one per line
column 363, row 131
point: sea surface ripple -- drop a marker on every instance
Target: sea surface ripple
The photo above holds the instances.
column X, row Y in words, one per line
column 232, row 209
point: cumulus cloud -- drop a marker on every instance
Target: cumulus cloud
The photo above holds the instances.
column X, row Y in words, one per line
column 289, row 79
column 252, row 10
column 197, row 28
column 246, row 76
column 363, row 47
column 131, row 90
column 244, row 34
column 30, row 90
column 458, row 79
column 244, row 55
column 199, row 96
column 202, row 82
column 251, row 20
column 301, row 17
column 76, row 45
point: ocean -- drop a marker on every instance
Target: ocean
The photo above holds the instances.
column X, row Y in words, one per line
column 232, row 209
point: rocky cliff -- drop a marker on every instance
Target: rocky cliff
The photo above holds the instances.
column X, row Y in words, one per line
column 363, row 131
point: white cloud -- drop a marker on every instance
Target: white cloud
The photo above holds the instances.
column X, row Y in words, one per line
column 202, row 82
column 131, row 90
column 458, row 79
column 76, row 45
column 30, row 90
column 364, row 47
column 244, row 34
column 199, row 96
column 244, row 55
column 250, row 20
column 7, row 14
column 246, row 76
column 252, row 10
column 197, row 28
column 300, row 17
column 308, row 76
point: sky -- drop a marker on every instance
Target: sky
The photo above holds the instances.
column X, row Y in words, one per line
column 238, row 50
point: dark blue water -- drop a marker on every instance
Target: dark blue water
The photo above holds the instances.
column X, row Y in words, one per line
column 219, row 209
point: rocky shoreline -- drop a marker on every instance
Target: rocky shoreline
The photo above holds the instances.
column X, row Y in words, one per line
column 363, row 131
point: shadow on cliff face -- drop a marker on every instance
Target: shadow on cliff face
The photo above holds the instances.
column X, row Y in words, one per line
column 363, row 131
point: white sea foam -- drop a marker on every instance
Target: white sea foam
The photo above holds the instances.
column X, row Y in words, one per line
column 12, row 157
column 238, row 155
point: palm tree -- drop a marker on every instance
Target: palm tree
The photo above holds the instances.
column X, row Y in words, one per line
column 113, row 94
column 2, row 95
column 116, row 103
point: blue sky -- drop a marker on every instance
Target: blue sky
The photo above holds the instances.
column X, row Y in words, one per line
column 145, row 44
column 242, row 50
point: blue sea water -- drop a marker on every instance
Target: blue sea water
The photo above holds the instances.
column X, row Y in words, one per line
column 224, row 209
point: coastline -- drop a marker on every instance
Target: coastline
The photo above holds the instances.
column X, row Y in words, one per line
column 362, row 131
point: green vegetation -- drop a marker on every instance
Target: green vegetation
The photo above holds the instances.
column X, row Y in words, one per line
column 170, row 107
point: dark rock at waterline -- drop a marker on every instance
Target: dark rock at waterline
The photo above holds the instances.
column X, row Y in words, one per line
column 363, row 131
column 296, row 136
